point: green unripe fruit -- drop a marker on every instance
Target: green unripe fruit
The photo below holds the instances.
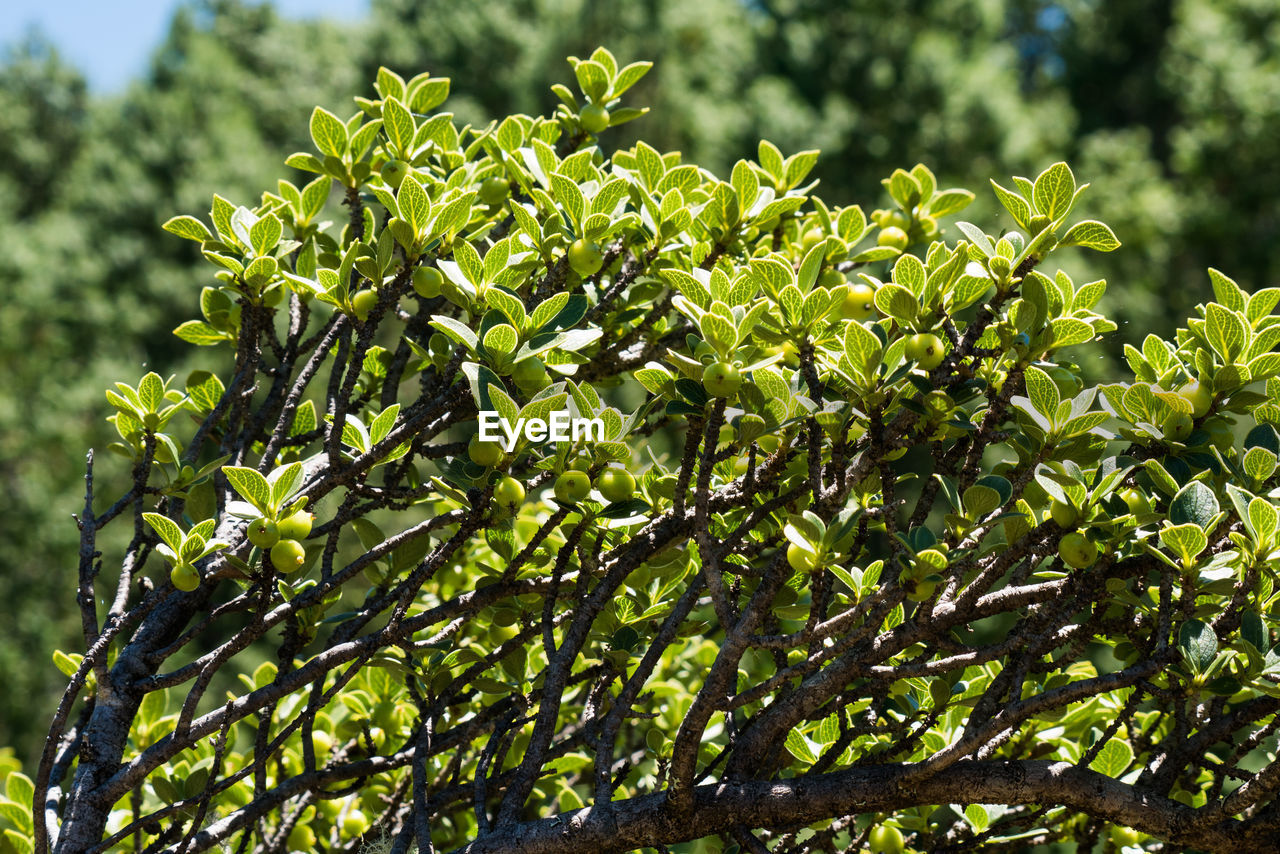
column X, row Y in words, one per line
column 859, row 303
column 508, row 493
column 831, row 278
column 185, row 577
column 493, row 191
column 393, row 172
column 363, row 302
column 427, row 282
column 263, row 533
column 893, row 237
column 616, row 484
column 572, row 487
column 1178, row 426
column 585, row 257
column 1134, row 500
column 288, row 556
column 939, row 692
column 440, row 344
column 665, row 486
column 926, row 350
column 594, row 118
column 295, row 527
column 354, row 824
column 483, row 453
column 1077, row 550
column 1064, row 514
column 922, row 589
column 812, row 238
column 1198, row 396
column 301, row 838
column 721, row 379
column 151, row 421
column 1220, row 433
column 802, row 560
column 1124, row 836
column 530, row 375
column 885, row 839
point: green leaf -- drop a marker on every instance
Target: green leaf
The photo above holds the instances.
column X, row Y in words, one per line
column 188, row 227
column 415, row 205
column 800, row 747
column 398, row 122
column 501, row 340
column 896, row 302
column 151, row 393
column 1226, row 291
column 1014, row 204
column 328, row 133
column 381, row 426
column 283, row 482
column 1263, row 520
column 66, row 664
column 201, row 334
column 976, row 816
column 1225, row 331
column 1054, row 190
column 251, row 485
column 1253, row 631
column 1186, row 541
column 949, row 202
column 861, row 347
column 1091, row 235
column 204, row 389
column 1196, row 504
column 166, row 528
column 1043, row 392
column 1198, row 645
column 265, row 234
column 1114, row 757
column 1259, row 463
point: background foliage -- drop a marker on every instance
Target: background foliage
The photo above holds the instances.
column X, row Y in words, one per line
column 1170, row 101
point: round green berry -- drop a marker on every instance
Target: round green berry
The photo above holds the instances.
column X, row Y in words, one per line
column 1064, row 514
column 483, row 453
column 1077, row 550
column 393, row 172
column 508, row 493
column 295, row 527
column 1198, row 396
column 363, row 302
column 530, row 375
column 886, row 839
column 493, row 191
column 185, row 577
column 616, row 484
column 572, row 487
column 859, row 303
column 585, row 257
column 288, row 556
column 721, row 379
column 427, row 282
column 893, row 237
column 263, row 533
column 594, row 118
column 926, row 350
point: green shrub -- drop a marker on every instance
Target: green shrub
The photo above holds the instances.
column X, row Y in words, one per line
column 824, row 574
